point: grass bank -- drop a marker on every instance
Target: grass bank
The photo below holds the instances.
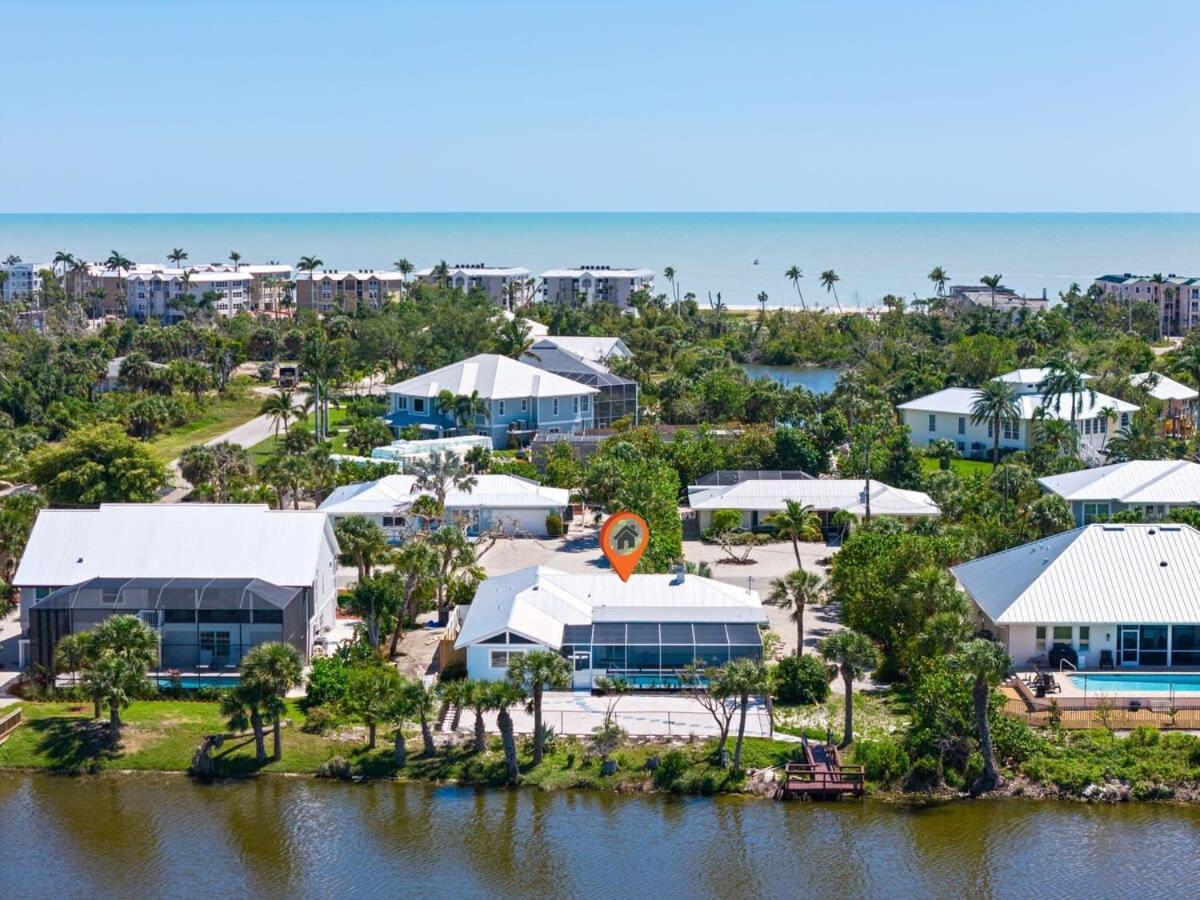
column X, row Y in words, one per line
column 162, row 735
column 264, row 450
column 961, row 466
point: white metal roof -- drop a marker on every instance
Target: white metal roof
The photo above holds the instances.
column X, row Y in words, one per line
column 536, row 328
column 396, row 492
column 174, row 540
column 1172, row 481
column 1163, row 388
column 360, row 274
column 537, row 602
column 495, row 377
column 597, row 349
column 477, row 271
column 825, row 494
column 957, row 401
column 1105, row 574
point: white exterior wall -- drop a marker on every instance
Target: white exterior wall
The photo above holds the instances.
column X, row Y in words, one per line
column 1021, row 642
column 479, row 661
column 324, row 591
column 946, row 426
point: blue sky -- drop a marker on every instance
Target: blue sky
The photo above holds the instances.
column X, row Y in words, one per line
column 236, row 105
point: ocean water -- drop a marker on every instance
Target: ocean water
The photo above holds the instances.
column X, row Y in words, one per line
column 737, row 254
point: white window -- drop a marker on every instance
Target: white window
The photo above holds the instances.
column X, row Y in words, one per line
column 932, row 422
column 500, row 407
column 1039, row 639
column 554, row 406
column 587, row 403
column 962, row 424
column 575, row 405
column 1094, row 511
column 1085, row 638
column 501, row 658
column 1062, row 634
column 419, row 404
column 1124, row 419
column 524, row 404
column 401, row 404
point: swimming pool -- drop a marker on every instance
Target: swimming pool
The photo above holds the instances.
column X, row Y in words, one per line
column 193, row 682
column 1150, row 682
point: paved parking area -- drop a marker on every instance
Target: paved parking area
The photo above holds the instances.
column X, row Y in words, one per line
column 659, row 715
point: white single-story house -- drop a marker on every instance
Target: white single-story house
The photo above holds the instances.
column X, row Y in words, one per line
column 112, row 375
column 1179, row 402
column 212, row 579
column 645, row 629
column 507, row 502
column 1152, row 486
column 946, row 414
column 1125, row 594
column 520, row 400
column 758, row 498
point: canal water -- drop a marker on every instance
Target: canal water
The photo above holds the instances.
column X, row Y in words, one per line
column 161, row 836
column 818, row 379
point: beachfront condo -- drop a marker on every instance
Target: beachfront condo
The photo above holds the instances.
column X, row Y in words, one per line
column 333, row 290
column 270, row 283
column 1176, row 298
column 595, row 284
column 161, row 293
column 21, row 281
column 506, row 286
column 515, row 401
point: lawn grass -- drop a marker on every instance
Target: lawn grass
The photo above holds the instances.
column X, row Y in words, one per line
column 162, row 735
column 158, row 735
column 221, row 415
column 961, row 466
column 264, row 450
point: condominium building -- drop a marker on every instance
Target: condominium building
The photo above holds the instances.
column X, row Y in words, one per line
column 506, row 286
column 21, row 281
column 1176, row 298
column 591, row 284
column 270, row 283
column 333, row 290
column 156, row 293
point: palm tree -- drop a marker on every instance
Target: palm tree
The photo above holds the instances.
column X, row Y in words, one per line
column 363, row 543
column 310, row 264
column 796, row 591
column 421, row 702
column 372, row 693
column 63, row 258
column 986, row 662
column 282, row 408
column 829, row 280
column 501, row 696
column 993, row 282
column 273, row 668
column 530, row 674
column 1140, row 438
column 669, row 274
column 762, row 301
column 242, row 708
column 417, row 564
column 478, row 697
column 73, row 653
column 939, row 278
column 794, row 274
column 177, row 256
column 1186, row 360
column 456, row 557
column 439, row 473
column 742, row 679
column 796, row 522
column 514, row 339
column 464, row 407
column 996, row 403
column 235, row 258
column 120, row 264
column 853, row 654
column 1063, row 377
column 115, row 681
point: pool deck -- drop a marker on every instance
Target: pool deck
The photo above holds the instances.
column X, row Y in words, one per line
column 1071, row 691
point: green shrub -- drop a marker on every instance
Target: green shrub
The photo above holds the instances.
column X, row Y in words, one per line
column 327, row 682
column 973, row 768
column 337, row 767
column 800, row 679
column 1013, row 740
column 884, row 761
column 923, row 775
column 1144, row 736
column 671, row 768
column 319, row 720
column 554, row 525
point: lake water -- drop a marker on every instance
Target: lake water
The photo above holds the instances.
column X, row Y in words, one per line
column 738, row 254
column 159, row 836
column 818, row 379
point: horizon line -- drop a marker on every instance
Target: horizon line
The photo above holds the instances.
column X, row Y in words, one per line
column 609, row 212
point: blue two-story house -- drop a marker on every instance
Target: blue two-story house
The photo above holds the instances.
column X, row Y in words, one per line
column 521, row 400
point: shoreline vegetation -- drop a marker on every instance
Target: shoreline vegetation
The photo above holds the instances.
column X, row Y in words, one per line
column 161, row 736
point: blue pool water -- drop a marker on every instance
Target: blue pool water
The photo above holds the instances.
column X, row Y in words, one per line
column 192, row 682
column 1150, row 683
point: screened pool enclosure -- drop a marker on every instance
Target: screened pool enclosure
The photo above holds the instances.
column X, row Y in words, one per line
column 204, row 625
column 657, row 648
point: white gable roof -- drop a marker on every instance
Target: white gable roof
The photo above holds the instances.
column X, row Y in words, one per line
column 597, row 349
column 495, row 377
column 1103, row 574
column 394, row 493
column 536, row 328
column 957, row 401
column 537, row 602
column 175, row 540
column 1170, row 481
column 599, row 273
column 823, row 494
column 1163, row 388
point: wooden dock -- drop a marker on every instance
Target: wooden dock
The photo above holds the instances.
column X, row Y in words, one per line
column 823, row 776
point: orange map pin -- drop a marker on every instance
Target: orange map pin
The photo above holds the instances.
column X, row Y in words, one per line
column 623, row 538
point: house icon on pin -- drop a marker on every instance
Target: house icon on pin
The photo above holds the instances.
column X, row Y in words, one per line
column 627, row 538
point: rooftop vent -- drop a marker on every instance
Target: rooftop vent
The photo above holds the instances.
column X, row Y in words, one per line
column 680, row 574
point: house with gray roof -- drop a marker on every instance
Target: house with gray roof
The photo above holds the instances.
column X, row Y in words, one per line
column 617, row 397
column 1152, row 487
